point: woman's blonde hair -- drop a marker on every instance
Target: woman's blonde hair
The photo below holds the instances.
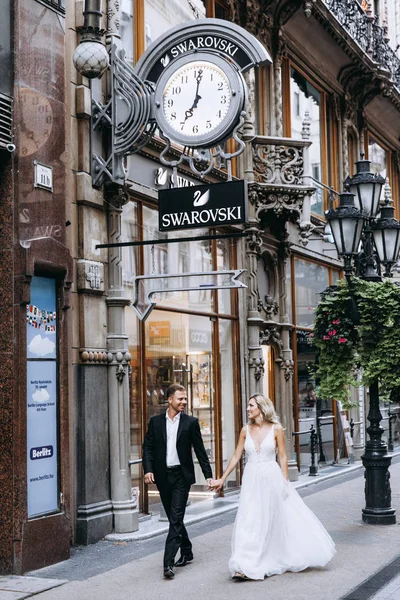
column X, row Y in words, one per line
column 266, row 408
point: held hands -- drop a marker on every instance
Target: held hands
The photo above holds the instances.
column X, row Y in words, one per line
column 215, row 484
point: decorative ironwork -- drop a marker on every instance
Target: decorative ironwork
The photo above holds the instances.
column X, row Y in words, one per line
column 371, row 37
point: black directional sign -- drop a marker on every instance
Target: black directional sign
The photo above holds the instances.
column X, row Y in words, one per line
column 210, row 205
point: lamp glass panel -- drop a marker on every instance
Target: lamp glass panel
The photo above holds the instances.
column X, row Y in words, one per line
column 336, row 230
column 364, row 197
column 387, row 244
column 379, row 244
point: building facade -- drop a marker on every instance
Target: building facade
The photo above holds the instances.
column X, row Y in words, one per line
column 82, row 374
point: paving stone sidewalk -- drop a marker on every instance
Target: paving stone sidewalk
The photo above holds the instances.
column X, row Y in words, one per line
column 362, row 552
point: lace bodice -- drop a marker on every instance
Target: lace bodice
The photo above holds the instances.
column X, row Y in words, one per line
column 267, row 450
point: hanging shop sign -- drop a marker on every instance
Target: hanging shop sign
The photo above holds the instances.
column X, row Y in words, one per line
column 212, row 205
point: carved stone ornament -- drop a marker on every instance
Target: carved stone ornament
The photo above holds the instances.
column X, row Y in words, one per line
column 280, row 201
column 89, row 356
column 269, row 306
column 90, row 276
column 278, row 168
column 254, row 241
column 287, row 365
column 117, row 196
column 120, row 373
column 270, row 336
column 257, row 364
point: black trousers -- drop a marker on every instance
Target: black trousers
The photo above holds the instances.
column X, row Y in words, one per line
column 174, row 497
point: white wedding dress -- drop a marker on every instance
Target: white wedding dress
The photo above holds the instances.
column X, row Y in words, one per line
column 274, row 530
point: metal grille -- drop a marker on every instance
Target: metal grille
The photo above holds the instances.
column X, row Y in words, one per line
column 6, row 121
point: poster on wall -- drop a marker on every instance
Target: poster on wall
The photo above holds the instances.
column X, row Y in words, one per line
column 41, row 319
column 41, row 395
column 42, row 437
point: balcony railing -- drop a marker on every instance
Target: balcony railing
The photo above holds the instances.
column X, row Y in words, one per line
column 368, row 34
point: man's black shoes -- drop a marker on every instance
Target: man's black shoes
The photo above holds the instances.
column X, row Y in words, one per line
column 169, row 573
column 184, row 560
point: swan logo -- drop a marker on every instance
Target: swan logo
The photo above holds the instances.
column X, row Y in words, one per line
column 200, row 199
column 165, row 60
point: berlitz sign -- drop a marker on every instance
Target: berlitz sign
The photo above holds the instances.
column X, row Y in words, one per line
column 211, row 205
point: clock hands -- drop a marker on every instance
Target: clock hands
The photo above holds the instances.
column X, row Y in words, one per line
column 189, row 112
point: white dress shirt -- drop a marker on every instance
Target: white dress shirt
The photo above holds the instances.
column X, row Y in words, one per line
column 172, row 431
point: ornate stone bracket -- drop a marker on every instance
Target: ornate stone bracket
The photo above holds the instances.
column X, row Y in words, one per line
column 278, row 165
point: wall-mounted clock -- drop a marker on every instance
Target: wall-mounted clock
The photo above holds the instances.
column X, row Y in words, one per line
column 36, row 121
column 199, row 99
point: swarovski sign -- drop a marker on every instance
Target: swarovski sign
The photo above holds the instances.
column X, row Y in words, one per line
column 211, row 205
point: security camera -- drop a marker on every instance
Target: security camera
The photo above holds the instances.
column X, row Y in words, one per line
column 11, row 147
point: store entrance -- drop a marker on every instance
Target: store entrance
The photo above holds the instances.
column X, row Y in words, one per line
column 179, row 350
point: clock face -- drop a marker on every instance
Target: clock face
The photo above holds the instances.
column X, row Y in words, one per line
column 196, row 98
column 198, row 101
column 36, row 121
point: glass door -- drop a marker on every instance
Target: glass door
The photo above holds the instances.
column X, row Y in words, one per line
column 179, row 350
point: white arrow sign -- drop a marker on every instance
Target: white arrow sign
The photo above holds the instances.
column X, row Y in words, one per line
column 148, row 286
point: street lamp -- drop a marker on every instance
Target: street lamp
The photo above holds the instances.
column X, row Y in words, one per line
column 369, row 240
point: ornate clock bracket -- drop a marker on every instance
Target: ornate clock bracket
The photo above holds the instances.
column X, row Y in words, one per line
column 128, row 119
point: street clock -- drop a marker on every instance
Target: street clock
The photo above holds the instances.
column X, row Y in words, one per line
column 196, row 70
column 189, row 86
column 199, row 99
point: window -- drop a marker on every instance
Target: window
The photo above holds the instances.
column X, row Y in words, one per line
column 126, row 29
column 59, row 5
column 306, row 99
column 309, row 279
column 296, row 98
column 161, row 15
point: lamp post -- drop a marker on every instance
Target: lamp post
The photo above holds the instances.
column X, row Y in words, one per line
column 368, row 236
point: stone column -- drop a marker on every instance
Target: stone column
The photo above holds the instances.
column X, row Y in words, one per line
column 286, row 364
column 254, row 320
column 278, row 101
column 124, row 508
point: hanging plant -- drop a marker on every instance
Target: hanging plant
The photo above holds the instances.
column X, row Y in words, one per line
column 357, row 333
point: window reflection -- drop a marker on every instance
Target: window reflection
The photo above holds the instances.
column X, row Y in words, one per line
column 377, row 156
column 126, row 29
column 306, row 98
column 161, row 15
column 186, row 257
column 310, row 280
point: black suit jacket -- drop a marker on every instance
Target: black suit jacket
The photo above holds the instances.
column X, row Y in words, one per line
column 154, row 456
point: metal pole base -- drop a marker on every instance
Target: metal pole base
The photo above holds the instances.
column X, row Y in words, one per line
column 379, row 517
column 378, row 510
column 313, row 470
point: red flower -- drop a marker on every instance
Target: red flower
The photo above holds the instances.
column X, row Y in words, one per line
column 326, row 337
column 332, row 332
column 335, row 321
column 342, row 340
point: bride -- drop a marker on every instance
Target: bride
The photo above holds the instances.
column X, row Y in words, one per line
column 274, row 530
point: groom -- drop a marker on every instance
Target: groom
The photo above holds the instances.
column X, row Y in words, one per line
column 167, row 462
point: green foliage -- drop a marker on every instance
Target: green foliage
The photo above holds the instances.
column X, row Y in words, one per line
column 357, row 331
